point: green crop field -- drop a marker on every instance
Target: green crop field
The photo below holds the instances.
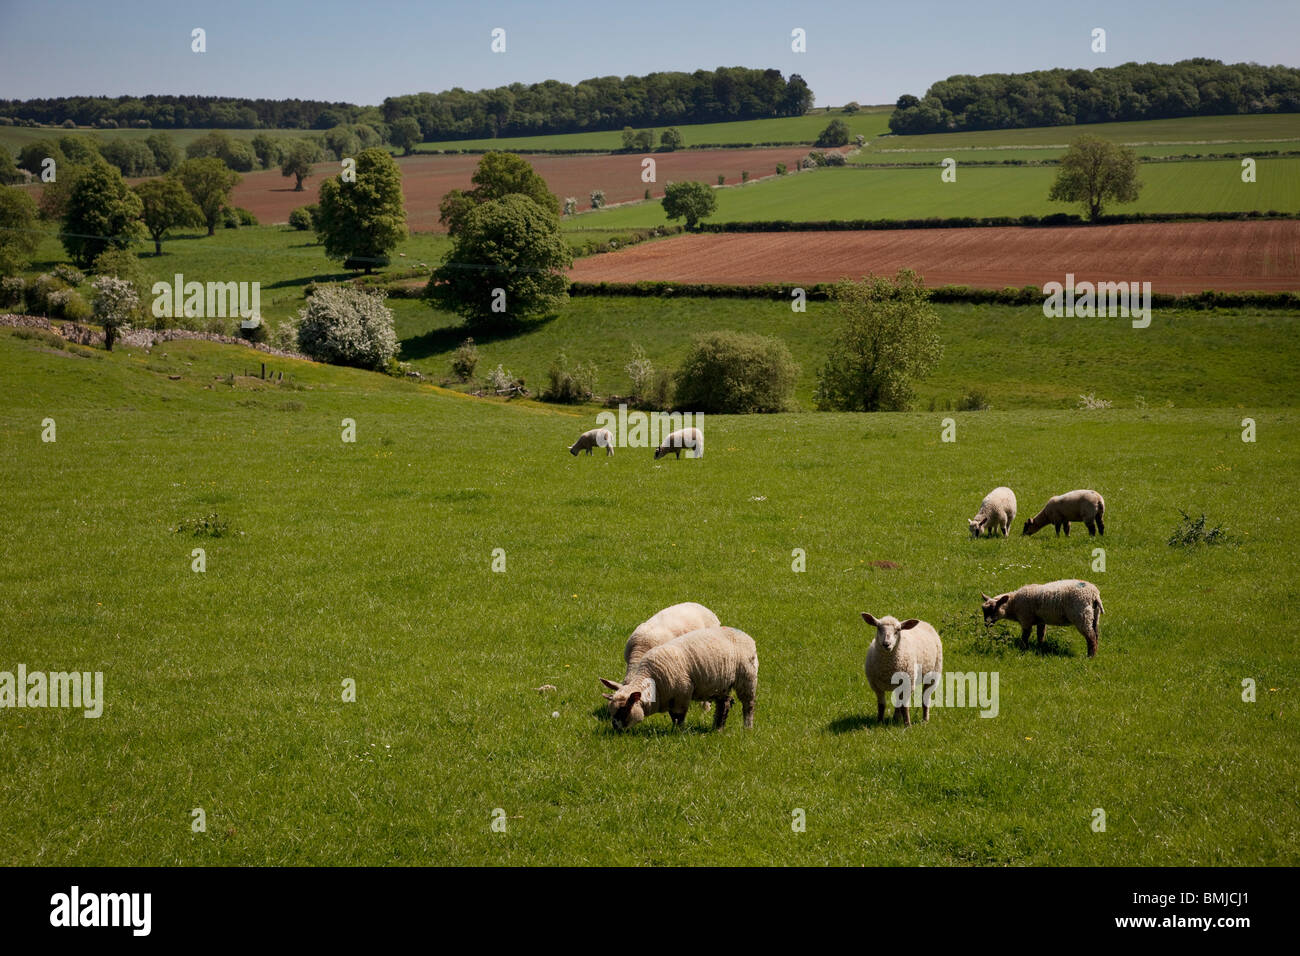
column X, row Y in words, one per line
column 869, row 122
column 935, row 154
column 372, row 562
column 1210, row 186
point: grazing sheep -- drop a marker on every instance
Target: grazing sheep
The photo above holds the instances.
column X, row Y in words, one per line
column 1061, row 602
column 1086, row 506
column 997, row 513
column 703, row 665
column 682, row 438
column 601, row 437
column 668, row 624
column 908, row 647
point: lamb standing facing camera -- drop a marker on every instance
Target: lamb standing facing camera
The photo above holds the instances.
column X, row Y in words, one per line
column 601, row 437
column 1060, row 602
column 1082, row 505
column 997, row 513
column 703, row 665
column 908, row 647
column 683, row 438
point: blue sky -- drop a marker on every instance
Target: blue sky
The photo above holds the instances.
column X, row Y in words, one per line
column 361, row 51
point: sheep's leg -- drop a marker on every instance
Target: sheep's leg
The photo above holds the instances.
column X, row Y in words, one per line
column 1092, row 528
column 1024, row 635
column 1042, row 628
column 1067, row 528
column 720, row 711
column 925, row 700
column 747, row 708
column 907, row 717
column 1101, row 525
column 679, row 718
column 880, row 708
column 1089, row 631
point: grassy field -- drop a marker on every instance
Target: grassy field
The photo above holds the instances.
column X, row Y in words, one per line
column 997, row 154
column 869, row 122
column 372, row 561
column 1212, row 186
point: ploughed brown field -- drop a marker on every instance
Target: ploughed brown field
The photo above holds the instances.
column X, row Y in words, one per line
column 1173, row 257
column 426, row 179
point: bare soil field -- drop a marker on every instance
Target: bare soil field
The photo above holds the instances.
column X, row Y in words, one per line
column 426, row 179
column 1173, row 257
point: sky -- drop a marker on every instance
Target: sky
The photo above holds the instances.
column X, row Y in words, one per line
column 361, row 51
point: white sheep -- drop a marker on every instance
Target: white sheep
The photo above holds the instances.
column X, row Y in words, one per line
column 597, row 437
column 1082, row 505
column 682, row 438
column 1060, row 602
column 997, row 513
column 910, row 648
column 668, row 624
column 706, row 664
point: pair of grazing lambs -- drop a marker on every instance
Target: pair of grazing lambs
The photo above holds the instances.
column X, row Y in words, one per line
column 683, row 653
column 998, row 513
column 691, row 439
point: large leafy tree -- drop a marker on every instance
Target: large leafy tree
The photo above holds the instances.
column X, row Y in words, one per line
column 1096, row 171
column 691, row 201
column 406, row 134
column 361, row 222
column 18, row 236
column 266, row 149
column 889, row 337
column 507, row 263
column 101, row 213
column 209, row 182
column 166, row 205
column 498, row 175
column 297, row 159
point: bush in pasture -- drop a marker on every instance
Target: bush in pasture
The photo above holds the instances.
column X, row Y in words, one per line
column 266, row 149
column 1193, row 531
column 229, row 218
column 691, row 201
column 362, row 222
column 166, row 156
column 19, row 239
column 834, row 159
column 39, row 290
column 500, row 379
column 736, row 373
column 101, row 213
column 973, row 401
column 9, row 172
column 69, row 274
column 888, row 339
column 722, row 179
column 125, row 264
column 570, row 206
column 642, row 373
column 1095, row 171
column 780, row 169
column 851, row 107
column 521, row 256
column 744, row 175
column 12, row 291
column 641, row 141
column 671, row 139
column 344, row 325
column 836, row 133
column 464, row 361
column 132, row 157
column 1091, row 402
column 647, row 194
column 569, row 385
column 68, row 304
column 116, row 303
column 597, row 198
column 300, row 219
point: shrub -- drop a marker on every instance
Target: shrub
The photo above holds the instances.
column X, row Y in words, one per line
column 75, row 308
column 570, row 205
column 722, row 179
column 12, row 291
column 69, row 274
column 1192, row 531
column 1091, row 402
column 344, row 325
column 744, row 175
column 780, row 169
column 300, row 219
column 973, row 401
column 889, row 337
column 647, row 194
column 229, row 218
column 500, row 379
column 642, row 373
column 284, row 336
column 597, row 198
column 464, row 360
column 254, row 333
column 834, row 159
column 736, row 373
column 39, row 291
column 569, row 385
column 116, row 303
column 836, row 133
column 125, row 264
column 671, row 139
column 246, row 217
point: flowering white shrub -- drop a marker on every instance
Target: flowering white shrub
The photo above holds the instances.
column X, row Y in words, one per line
column 344, row 325
column 115, row 302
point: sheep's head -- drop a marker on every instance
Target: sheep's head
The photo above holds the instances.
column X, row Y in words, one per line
column 574, row 451
column 889, row 630
column 995, row 608
column 976, row 526
column 626, row 708
column 661, row 451
column 1030, row 527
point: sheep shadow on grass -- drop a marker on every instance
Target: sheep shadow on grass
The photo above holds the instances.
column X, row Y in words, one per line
column 852, row 723
column 660, row 725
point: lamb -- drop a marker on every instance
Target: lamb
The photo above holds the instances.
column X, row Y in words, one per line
column 706, row 664
column 682, row 438
column 601, row 437
column 1086, row 506
column 997, row 513
column 1060, row 602
column 668, row 624
column 910, row 647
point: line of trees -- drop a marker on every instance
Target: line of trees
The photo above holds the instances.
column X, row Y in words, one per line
column 1133, row 91
column 604, row 103
column 183, row 112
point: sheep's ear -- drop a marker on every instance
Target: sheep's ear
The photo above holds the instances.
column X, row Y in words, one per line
column 608, row 696
column 985, row 596
column 910, row 623
column 610, row 684
column 1003, row 598
column 870, row 620
column 633, row 697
